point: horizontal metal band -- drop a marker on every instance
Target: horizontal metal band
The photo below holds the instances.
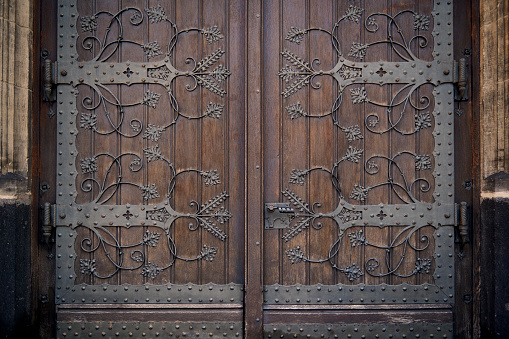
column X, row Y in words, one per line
column 359, row 331
column 103, row 329
column 153, row 294
column 341, row 294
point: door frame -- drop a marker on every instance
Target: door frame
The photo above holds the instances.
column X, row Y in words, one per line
column 42, row 282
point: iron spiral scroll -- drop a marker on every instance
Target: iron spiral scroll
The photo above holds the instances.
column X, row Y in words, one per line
column 351, row 77
column 104, row 185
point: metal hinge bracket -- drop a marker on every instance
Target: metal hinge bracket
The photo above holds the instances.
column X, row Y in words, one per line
column 49, row 80
column 461, row 222
column 48, row 222
column 460, row 80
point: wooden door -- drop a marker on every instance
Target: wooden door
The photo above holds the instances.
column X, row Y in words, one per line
column 358, row 165
column 150, row 154
column 246, row 169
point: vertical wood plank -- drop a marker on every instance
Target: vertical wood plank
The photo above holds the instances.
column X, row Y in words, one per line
column 320, row 151
column 234, row 113
column 272, row 119
column 254, row 175
column 294, row 138
column 187, row 142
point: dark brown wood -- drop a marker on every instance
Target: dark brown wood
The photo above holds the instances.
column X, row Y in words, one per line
column 358, row 317
column 254, row 175
column 151, row 314
column 465, row 142
column 37, row 317
column 45, row 166
column 475, row 128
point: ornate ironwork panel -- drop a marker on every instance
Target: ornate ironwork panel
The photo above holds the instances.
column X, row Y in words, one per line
column 139, row 87
column 391, row 94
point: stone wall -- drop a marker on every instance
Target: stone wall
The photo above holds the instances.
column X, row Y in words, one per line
column 494, row 162
column 16, row 63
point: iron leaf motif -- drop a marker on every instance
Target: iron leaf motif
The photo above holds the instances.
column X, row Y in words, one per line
column 87, row 266
column 88, row 165
column 212, row 34
column 422, row 162
column 353, row 13
column 353, row 133
column 359, row 95
column 88, row 120
column 210, row 178
column 422, row 265
column 357, row 238
column 153, row 132
column 296, row 111
column 347, row 72
column 421, row 22
column 222, row 215
column 303, row 68
column 214, row 110
column 359, row 193
column 220, row 73
column 153, row 153
column 150, row 270
column 295, row 35
column 347, row 215
column 152, row 49
column 149, row 192
column 151, row 238
column 211, row 80
column 353, row 154
column 208, row 253
column 352, row 272
column 287, row 73
column 297, row 177
column 156, row 14
column 422, row 120
column 296, row 255
column 89, row 23
column 161, row 72
column 358, row 50
column 151, row 99
column 160, row 214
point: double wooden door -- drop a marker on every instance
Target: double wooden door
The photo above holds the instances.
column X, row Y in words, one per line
column 231, row 168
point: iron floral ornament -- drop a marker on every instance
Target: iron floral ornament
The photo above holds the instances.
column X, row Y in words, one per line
column 104, row 174
column 207, row 73
column 351, row 76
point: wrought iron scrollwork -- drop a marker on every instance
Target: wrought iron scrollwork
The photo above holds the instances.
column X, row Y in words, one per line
column 297, row 74
column 207, row 73
column 103, row 174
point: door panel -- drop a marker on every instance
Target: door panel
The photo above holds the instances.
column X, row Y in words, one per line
column 359, row 144
column 149, row 207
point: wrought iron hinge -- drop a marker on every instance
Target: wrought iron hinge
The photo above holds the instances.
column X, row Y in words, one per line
column 461, row 222
column 48, row 222
column 49, row 80
column 460, row 80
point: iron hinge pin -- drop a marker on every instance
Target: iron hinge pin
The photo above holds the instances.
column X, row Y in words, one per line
column 460, row 80
column 49, row 78
column 47, row 224
column 462, row 222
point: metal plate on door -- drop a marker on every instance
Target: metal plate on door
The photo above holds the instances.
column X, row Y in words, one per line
column 278, row 215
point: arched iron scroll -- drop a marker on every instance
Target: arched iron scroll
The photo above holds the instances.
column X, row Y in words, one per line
column 351, row 74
